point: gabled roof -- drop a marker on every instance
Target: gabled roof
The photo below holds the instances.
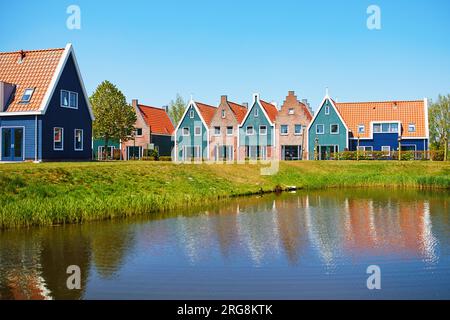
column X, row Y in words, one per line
column 364, row 113
column 238, row 110
column 270, row 109
column 157, row 119
column 35, row 71
column 291, row 101
column 39, row 70
column 207, row 112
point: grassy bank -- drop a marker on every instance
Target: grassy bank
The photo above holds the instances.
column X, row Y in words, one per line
column 51, row 193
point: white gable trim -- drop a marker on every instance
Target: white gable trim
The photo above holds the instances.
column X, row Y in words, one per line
column 256, row 100
column 68, row 51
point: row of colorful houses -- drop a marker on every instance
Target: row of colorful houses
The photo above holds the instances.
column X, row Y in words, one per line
column 45, row 115
column 233, row 132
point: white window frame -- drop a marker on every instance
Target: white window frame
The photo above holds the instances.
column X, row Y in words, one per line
column 30, row 95
column 301, row 129
column 256, row 112
column 262, row 133
column 223, row 114
column 413, row 126
column 387, row 151
column 365, row 148
column 281, row 130
column 363, row 127
column 75, row 140
column 62, row 139
column 327, row 110
column 323, row 129
column 195, row 131
column 246, row 130
column 69, row 93
column 220, row 131
column 229, row 134
column 291, row 111
column 334, row 124
column 138, row 135
column 191, row 114
column 183, row 134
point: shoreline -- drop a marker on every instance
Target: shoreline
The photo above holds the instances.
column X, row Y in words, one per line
column 65, row 193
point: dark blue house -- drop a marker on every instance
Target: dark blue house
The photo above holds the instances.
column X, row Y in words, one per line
column 45, row 113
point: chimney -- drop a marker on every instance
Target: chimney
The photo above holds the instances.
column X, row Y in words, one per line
column 166, row 108
column 21, row 56
column 135, row 103
column 291, row 93
column 245, row 104
column 6, row 93
column 223, row 99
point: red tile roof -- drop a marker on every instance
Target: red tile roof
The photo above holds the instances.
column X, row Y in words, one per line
column 363, row 113
column 270, row 109
column 238, row 110
column 157, row 119
column 35, row 71
column 207, row 112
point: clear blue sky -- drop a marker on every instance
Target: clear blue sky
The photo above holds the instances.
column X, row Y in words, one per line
column 154, row 49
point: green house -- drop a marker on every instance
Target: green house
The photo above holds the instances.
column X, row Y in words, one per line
column 327, row 132
column 98, row 149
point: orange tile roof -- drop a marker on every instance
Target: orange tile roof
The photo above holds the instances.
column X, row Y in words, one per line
column 270, row 109
column 157, row 119
column 239, row 111
column 363, row 113
column 35, row 71
column 207, row 111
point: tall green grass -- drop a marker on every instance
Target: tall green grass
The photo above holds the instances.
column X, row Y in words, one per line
column 57, row 193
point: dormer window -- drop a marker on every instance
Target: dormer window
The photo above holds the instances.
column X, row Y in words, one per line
column 28, row 93
column 361, row 128
column 412, row 127
column 69, row 99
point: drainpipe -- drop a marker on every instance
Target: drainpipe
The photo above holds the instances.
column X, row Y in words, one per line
column 35, row 139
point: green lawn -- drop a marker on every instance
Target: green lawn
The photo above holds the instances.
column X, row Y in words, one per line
column 51, row 193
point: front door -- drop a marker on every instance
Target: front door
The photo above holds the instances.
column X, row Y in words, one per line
column 12, row 144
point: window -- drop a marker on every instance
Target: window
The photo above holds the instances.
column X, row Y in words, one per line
column 291, row 111
column 191, row 114
column 263, row 130
column 138, row 132
column 217, row 131
column 78, row 139
column 27, row 95
column 249, row 131
column 412, row 127
column 256, row 111
column 229, row 131
column 284, row 129
column 185, row 132
column 361, row 128
column 327, row 109
column 386, row 149
column 320, row 129
column 69, row 99
column 58, row 139
column 197, row 131
column 298, row 129
column 385, row 127
column 334, row 128
column 223, row 113
column 365, row 148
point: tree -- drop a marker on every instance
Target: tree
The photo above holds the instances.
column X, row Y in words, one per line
column 114, row 117
column 439, row 121
column 176, row 109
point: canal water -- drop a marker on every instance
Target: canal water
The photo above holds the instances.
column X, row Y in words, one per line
column 303, row 245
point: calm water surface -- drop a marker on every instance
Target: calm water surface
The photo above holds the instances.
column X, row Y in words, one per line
column 292, row 246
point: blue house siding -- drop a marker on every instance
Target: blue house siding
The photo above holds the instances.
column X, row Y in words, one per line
column 69, row 119
column 191, row 140
column 256, row 122
column 388, row 139
column 29, row 125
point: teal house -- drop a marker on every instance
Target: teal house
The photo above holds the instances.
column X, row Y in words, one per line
column 192, row 132
column 327, row 132
column 256, row 139
column 98, row 150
